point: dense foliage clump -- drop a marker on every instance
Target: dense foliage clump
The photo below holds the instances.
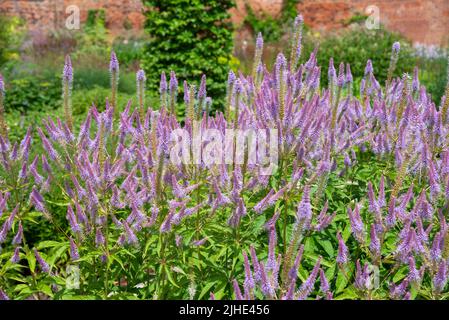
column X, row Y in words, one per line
column 191, row 37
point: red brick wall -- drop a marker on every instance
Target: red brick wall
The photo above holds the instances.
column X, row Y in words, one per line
column 51, row 13
column 424, row 21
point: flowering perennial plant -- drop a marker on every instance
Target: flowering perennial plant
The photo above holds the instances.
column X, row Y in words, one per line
column 355, row 207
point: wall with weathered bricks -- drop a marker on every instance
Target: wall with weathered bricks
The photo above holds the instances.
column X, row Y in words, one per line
column 423, row 21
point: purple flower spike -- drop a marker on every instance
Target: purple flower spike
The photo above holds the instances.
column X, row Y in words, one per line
column 356, row 222
column 16, row 256
column 186, row 93
column 342, row 256
column 271, row 262
column 440, row 278
column 3, row 295
column 415, row 83
column 231, row 78
column 173, row 83
column 259, row 41
column 140, row 76
column 99, row 238
column 18, row 237
column 130, row 235
column 349, row 78
column 396, row 47
column 324, row 287
column 341, row 75
column 332, row 73
column 281, row 65
column 44, row 265
column 306, row 288
column 202, row 90
column 237, row 291
column 249, row 280
column 37, row 200
column 113, row 64
column 369, row 68
column 68, row 70
column 375, row 243
column 299, row 19
column 2, row 85
column 304, row 212
column 163, row 84
column 74, row 254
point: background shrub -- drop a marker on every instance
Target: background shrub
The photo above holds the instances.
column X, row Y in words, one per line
column 273, row 28
column 10, row 38
column 355, row 46
column 191, row 38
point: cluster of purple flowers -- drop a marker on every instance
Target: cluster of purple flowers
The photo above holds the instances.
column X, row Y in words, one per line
column 120, row 184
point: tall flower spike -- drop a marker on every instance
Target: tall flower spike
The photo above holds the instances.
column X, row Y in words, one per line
column 342, row 256
column 271, row 262
column 257, row 54
column 415, row 83
column 229, row 94
column 324, row 286
column 67, row 82
column 341, row 75
column 163, row 90
column 3, row 295
column 99, row 238
column 140, row 80
column 393, row 62
column 374, row 244
column 281, row 74
column 202, row 97
column 296, row 46
column 42, row 263
column 173, row 92
column 38, row 202
column 19, row 236
column 16, row 256
column 306, row 288
column 74, row 254
column 304, row 212
column 356, row 222
column 3, row 126
column 331, row 73
column 114, row 69
column 249, row 280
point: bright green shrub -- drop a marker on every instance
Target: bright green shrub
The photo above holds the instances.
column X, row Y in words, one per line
column 10, row 38
column 358, row 44
column 192, row 38
column 31, row 93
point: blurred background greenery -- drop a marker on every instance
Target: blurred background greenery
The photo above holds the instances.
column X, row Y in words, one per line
column 31, row 62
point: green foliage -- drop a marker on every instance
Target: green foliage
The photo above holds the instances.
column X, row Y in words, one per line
column 94, row 40
column 433, row 73
column 31, row 93
column 10, row 38
column 86, row 79
column 82, row 100
column 358, row 44
column 129, row 51
column 273, row 28
column 192, row 38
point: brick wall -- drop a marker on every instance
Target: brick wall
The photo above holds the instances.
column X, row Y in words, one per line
column 44, row 14
column 423, row 21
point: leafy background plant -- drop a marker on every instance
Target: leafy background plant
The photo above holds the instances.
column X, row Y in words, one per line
column 191, row 38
